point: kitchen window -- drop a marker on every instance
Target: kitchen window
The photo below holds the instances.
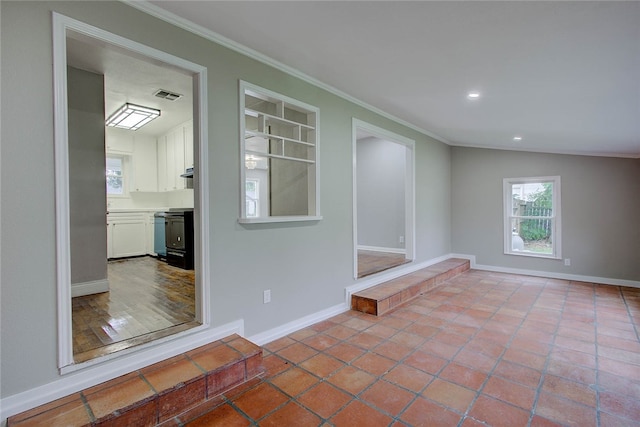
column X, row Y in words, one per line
column 532, row 225
column 115, row 176
column 252, row 192
column 279, row 152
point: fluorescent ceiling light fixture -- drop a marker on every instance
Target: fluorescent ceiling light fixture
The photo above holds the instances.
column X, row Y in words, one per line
column 473, row 95
column 132, row 117
column 517, row 138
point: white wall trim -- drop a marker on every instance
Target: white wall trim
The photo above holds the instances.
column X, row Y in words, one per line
column 549, row 274
column 295, row 325
column 203, row 32
column 566, row 152
column 102, row 372
column 61, row 25
column 89, row 288
column 409, row 185
column 381, row 249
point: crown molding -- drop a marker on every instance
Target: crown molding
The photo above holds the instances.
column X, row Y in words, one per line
column 203, row 32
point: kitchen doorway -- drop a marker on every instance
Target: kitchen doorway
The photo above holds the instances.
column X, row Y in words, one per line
column 158, row 169
column 383, row 188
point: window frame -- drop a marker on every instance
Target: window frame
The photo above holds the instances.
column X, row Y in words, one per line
column 124, row 163
column 246, row 88
column 556, row 222
column 256, row 183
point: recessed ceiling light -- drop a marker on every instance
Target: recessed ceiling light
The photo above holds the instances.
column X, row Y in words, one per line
column 473, row 95
column 517, row 138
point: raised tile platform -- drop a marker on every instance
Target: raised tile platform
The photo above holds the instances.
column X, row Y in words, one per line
column 387, row 296
column 170, row 392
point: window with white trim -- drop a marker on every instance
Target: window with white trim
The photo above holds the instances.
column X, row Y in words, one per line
column 252, row 193
column 279, row 149
column 532, row 225
column 115, row 168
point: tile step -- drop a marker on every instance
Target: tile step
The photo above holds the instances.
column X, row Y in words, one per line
column 387, row 296
column 170, row 392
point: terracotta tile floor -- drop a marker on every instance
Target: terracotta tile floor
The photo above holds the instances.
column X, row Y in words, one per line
column 485, row 349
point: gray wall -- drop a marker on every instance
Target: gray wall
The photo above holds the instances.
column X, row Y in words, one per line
column 87, row 181
column 381, row 202
column 600, row 206
column 306, row 265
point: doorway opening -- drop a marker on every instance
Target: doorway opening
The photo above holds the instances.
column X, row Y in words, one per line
column 383, row 188
column 122, row 282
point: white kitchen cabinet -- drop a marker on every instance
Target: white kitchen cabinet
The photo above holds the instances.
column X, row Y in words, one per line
column 149, row 231
column 126, row 234
column 188, row 145
column 162, row 163
column 145, row 165
column 175, row 154
column 119, row 141
column 175, row 158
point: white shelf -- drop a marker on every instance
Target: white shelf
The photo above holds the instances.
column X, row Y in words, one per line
column 277, row 156
column 255, row 134
column 275, row 127
column 281, row 120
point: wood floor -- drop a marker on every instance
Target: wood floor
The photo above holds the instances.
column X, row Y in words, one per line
column 148, row 299
column 371, row 262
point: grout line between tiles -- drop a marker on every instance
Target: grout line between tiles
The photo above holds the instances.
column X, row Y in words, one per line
column 498, row 359
column 547, row 360
column 597, row 354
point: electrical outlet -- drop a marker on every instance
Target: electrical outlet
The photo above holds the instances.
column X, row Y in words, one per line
column 567, row 262
column 401, row 239
column 266, row 297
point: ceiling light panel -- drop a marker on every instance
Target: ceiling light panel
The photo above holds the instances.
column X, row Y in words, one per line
column 132, row 117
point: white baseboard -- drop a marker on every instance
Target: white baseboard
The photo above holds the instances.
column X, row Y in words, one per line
column 89, row 288
column 105, row 371
column 549, row 274
column 290, row 327
column 381, row 249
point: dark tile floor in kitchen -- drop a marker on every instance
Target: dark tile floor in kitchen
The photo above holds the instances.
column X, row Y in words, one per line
column 485, row 349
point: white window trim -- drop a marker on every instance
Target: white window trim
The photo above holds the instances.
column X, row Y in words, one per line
column 256, row 182
column 556, row 231
column 125, row 176
column 243, row 219
column 410, row 185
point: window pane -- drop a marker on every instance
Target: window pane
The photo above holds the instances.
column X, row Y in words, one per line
column 115, row 183
column 532, row 198
column 532, row 213
column 532, row 235
column 252, row 198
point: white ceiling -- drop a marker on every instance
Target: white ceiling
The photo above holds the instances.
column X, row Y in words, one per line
column 563, row 75
column 133, row 79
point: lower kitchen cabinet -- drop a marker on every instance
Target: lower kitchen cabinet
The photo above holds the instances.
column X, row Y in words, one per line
column 126, row 234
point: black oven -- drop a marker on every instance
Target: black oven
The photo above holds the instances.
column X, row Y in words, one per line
column 179, row 237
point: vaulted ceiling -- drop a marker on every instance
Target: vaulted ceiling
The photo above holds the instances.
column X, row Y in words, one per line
column 563, row 76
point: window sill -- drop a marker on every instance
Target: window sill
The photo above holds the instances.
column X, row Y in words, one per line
column 275, row 219
column 534, row 255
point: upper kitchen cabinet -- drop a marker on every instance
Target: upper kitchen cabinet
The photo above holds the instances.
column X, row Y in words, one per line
column 118, row 141
column 145, row 166
column 175, row 155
